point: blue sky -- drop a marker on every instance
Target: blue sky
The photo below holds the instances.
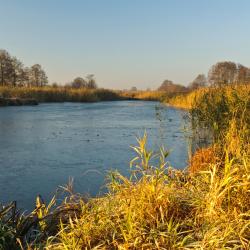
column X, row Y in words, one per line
column 126, row 42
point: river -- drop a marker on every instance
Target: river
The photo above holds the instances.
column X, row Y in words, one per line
column 42, row 146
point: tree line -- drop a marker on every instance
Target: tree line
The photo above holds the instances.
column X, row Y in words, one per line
column 79, row 82
column 14, row 73
column 221, row 73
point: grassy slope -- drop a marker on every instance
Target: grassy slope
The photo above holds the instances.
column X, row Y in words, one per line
column 162, row 208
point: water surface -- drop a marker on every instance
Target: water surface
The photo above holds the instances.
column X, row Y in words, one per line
column 42, row 146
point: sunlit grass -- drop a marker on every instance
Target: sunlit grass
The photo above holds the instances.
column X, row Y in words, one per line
column 189, row 100
column 145, row 95
column 162, row 208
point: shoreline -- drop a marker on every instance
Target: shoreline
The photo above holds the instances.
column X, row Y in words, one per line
column 17, row 96
column 5, row 102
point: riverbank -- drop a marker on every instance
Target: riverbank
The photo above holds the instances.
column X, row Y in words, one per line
column 205, row 207
column 65, row 94
column 59, row 94
column 16, row 102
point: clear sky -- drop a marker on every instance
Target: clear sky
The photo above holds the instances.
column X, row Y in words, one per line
column 126, row 42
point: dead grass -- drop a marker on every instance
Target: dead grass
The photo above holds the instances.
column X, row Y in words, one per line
column 203, row 158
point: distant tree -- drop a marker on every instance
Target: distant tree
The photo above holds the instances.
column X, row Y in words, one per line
column 165, row 85
column 91, row 82
column 171, row 87
column 38, row 76
column 223, row 73
column 13, row 72
column 227, row 73
column 243, row 74
column 54, row 85
column 17, row 71
column 133, row 89
column 79, row 82
column 199, row 81
column 25, row 77
column 6, row 68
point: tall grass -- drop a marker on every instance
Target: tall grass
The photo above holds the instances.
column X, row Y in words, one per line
column 187, row 100
column 216, row 109
column 162, row 208
column 145, row 95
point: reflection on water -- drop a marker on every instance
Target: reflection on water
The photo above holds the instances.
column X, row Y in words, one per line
column 42, row 146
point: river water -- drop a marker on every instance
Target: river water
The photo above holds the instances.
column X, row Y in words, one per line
column 42, row 146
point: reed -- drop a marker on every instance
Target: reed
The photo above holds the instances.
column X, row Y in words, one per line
column 162, row 208
column 145, row 95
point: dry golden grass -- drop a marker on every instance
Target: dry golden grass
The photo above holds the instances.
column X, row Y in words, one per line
column 162, row 208
column 144, row 95
column 203, row 158
column 189, row 100
column 186, row 101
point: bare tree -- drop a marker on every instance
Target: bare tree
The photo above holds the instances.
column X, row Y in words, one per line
column 13, row 72
column 25, row 77
column 199, row 81
column 223, row 73
column 227, row 73
column 38, row 76
column 79, row 82
column 6, row 69
column 17, row 71
column 165, row 85
column 133, row 88
column 243, row 74
column 91, row 82
column 55, row 85
column 171, row 87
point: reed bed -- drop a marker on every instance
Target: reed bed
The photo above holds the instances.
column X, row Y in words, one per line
column 60, row 94
column 217, row 108
column 229, row 92
column 67, row 94
column 162, row 208
column 145, row 95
